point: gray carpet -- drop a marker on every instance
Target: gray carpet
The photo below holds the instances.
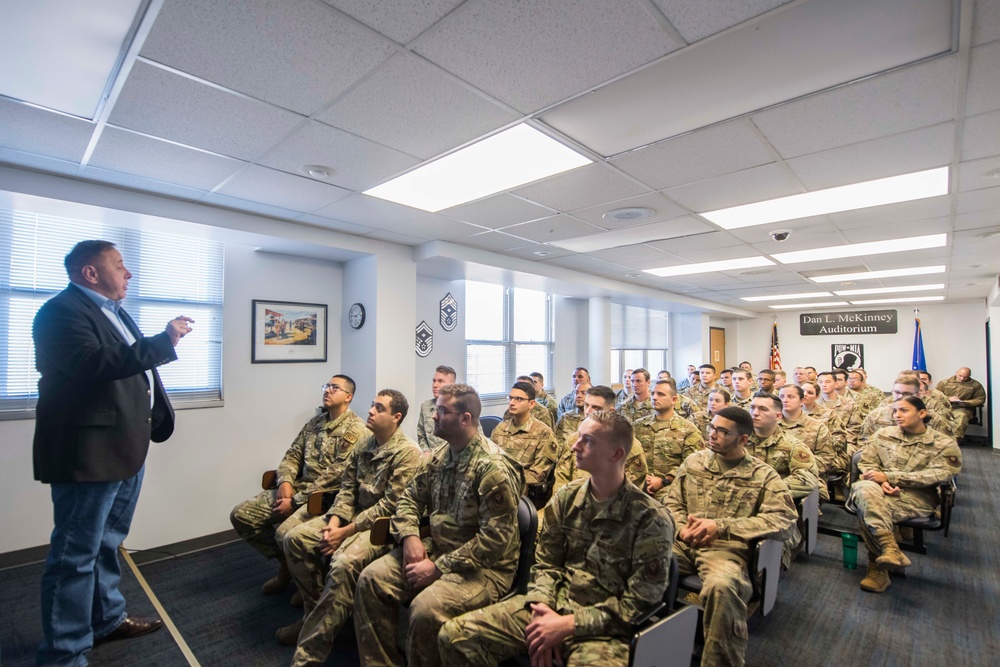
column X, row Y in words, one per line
column 944, row 612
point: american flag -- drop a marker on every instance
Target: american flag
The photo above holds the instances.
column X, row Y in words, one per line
column 775, row 352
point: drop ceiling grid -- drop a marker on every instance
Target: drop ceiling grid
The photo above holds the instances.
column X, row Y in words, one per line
column 582, row 187
column 983, row 88
column 695, row 21
column 554, row 228
column 277, row 188
column 755, row 184
column 31, row 129
column 498, row 211
column 981, row 136
column 399, row 21
column 663, row 208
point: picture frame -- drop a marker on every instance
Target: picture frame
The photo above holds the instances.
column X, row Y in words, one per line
column 288, row 332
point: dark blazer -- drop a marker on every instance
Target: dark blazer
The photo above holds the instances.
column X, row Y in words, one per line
column 93, row 422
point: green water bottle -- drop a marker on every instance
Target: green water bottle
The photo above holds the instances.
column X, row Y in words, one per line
column 850, row 541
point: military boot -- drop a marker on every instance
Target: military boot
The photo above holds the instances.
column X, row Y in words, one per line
column 289, row 635
column 891, row 555
column 278, row 582
column 877, row 579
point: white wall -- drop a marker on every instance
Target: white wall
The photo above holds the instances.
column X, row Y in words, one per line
column 687, row 341
column 572, row 331
column 449, row 346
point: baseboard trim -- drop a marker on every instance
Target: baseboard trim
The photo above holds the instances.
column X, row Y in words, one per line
column 23, row 557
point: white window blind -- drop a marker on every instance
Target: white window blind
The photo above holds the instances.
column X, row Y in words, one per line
column 172, row 275
column 639, row 328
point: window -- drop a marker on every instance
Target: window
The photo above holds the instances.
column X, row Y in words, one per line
column 173, row 275
column 508, row 332
column 639, row 338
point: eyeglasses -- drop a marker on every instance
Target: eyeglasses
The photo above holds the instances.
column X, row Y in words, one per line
column 441, row 411
column 517, row 399
column 334, row 388
column 902, row 394
column 723, row 432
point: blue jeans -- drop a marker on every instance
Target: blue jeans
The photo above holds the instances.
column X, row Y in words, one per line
column 80, row 596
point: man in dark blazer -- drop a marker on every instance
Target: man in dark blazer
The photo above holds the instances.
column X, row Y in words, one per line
column 100, row 401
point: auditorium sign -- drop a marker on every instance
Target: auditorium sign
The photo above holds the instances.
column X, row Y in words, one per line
column 864, row 322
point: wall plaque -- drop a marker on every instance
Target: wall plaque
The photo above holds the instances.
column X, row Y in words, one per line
column 864, row 322
column 848, row 356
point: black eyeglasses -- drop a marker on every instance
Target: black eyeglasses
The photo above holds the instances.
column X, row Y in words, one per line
column 334, row 388
column 723, row 432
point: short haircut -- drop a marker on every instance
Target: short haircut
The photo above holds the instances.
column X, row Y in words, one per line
column 707, row 366
column 747, row 363
column 725, row 394
column 860, row 369
column 581, row 368
column 908, row 380
column 446, row 370
column 927, row 373
column 619, row 428
column 466, row 398
column 739, row 371
column 823, row 373
column 397, row 402
column 858, row 373
column 348, row 383
column 781, row 373
column 667, row 382
column 664, row 371
column 671, row 381
column 605, row 393
column 918, row 403
column 523, row 378
column 771, row 397
column 84, row 253
column 810, row 368
column 766, row 371
column 812, row 384
column 792, row 387
column 527, row 388
column 539, row 376
column 839, row 371
column 739, row 416
column 726, row 370
column 643, row 372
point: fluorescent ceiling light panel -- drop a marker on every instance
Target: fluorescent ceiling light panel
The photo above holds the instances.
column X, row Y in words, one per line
column 708, row 267
column 890, row 290
column 506, row 160
column 909, row 299
column 824, row 304
column 908, row 187
column 861, row 249
column 875, row 275
column 779, row 297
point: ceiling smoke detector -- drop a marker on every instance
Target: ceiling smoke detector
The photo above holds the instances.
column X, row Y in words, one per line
column 628, row 214
column 316, row 171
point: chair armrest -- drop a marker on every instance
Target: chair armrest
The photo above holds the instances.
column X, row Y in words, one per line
column 380, row 536
column 765, row 568
column 948, row 490
column 539, row 494
column 651, row 614
column 320, row 501
column 269, row 479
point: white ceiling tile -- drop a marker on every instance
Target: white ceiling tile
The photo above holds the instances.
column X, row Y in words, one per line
column 977, row 219
column 697, row 256
column 297, row 55
column 531, row 56
column 985, row 21
column 978, row 174
column 696, row 21
column 500, row 242
column 878, row 158
column 336, row 225
column 796, row 242
column 166, row 105
column 361, row 209
column 698, row 242
column 529, row 252
column 981, row 135
column 582, row 187
column 983, row 91
column 901, row 100
column 27, row 128
column 239, row 204
column 356, row 163
column 409, row 105
column 276, row 188
column 130, row 153
column 16, row 158
column 714, row 151
column 438, row 228
column 393, row 236
column 140, row 183
column 803, row 231
column 399, row 21
column 979, row 200
column 501, row 210
column 583, row 263
column 898, row 230
column 663, row 208
column 556, row 228
column 922, row 209
column 631, row 253
column 742, row 187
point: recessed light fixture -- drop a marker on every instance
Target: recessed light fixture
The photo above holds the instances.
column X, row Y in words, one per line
column 861, row 249
column 824, row 304
column 908, row 187
column 633, row 275
column 626, row 214
column 780, row 297
column 316, row 171
column 909, row 299
column 542, row 253
column 876, row 275
column 503, row 161
column 708, row 267
column 889, row 290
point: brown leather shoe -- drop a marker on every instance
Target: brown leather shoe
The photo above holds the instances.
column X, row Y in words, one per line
column 132, row 627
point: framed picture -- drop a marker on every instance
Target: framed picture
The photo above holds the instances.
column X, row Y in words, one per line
column 288, row 332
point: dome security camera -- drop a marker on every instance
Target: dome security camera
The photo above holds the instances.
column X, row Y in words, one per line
column 780, row 235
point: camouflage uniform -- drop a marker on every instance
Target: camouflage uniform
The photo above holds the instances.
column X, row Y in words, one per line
column 425, row 427
column 549, row 403
column 620, row 397
column 865, row 401
column 841, row 406
column 698, row 393
column 373, row 482
column 633, row 409
column 566, row 404
column 566, row 470
column 539, row 412
column 471, row 498
column 666, row 443
column 881, row 418
column 743, row 402
column 970, row 392
column 605, row 564
column 748, row 502
column 937, row 402
column 791, row 459
column 831, row 456
column 565, row 430
column 532, row 445
column 690, row 411
column 914, row 463
column 314, row 462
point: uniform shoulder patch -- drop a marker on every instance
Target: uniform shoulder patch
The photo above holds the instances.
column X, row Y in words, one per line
column 802, row 454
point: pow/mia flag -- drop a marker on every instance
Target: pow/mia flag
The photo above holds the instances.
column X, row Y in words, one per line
column 449, row 312
column 848, row 356
column 425, row 339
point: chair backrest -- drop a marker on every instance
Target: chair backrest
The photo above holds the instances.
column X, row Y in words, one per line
column 489, row 422
column 527, row 525
column 855, row 471
column 672, row 583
